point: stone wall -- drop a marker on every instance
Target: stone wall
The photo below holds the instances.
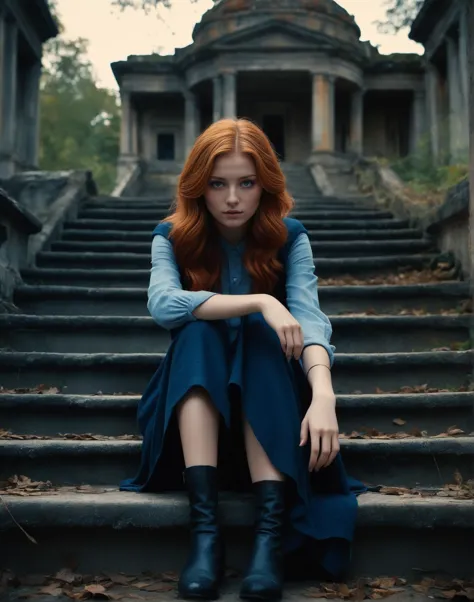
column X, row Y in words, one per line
column 450, row 225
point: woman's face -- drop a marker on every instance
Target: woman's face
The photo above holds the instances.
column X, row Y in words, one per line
column 233, row 194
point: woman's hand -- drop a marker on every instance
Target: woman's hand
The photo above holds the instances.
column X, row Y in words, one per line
column 320, row 423
column 284, row 324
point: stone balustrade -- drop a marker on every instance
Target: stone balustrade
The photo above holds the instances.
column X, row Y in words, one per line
column 17, row 224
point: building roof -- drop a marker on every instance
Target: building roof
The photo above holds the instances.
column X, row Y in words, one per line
column 429, row 16
column 46, row 25
column 230, row 9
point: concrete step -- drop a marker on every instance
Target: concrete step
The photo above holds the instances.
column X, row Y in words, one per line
column 139, row 213
column 411, row 462
column 148, row 218
column 102, row 333
column 136, row 267
column 88, row 373
column 98, row 300
column 134, row 533
column 342, row 248
column 52, row 414
column 344, row 223
column 315, row 234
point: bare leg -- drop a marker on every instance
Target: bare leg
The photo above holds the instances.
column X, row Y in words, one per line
column 198, row 422
column 261, row 469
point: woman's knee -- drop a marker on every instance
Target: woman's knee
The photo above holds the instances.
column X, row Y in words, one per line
column 210, row 331
column 259, row 334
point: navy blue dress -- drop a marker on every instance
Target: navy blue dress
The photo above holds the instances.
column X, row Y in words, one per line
column 251, row 375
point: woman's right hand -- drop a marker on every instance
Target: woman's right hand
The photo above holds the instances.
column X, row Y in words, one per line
column 284, row 324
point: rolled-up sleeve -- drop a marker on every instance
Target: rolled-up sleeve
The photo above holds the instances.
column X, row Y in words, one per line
column 168, row 303
column 302, row 296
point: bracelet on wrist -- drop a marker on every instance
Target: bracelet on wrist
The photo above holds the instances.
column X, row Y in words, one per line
column 314, row 366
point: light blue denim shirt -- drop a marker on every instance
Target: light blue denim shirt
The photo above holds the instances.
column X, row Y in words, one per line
column 170, row 306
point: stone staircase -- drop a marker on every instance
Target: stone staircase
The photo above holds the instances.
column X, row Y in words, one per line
column 78, row 356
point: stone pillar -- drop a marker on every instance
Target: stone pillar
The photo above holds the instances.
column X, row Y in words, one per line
column 418, row 119
column 32, row 114
column 432, row 83
column 217, row 98
column 134, row 131
column 9, row 95
column 190, row 121
column 457, row 136
column 357, row 122
column 323, row 119
column 463, row 59
column 230, row 95
column 126, row 124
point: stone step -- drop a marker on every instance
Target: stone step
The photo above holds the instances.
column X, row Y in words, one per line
column 88, row 373
column 147, row 218
column 139, row 213
column 321, row 224
column 315, row 234
column 97, row 300
column 135, row 533
column 342, row 248
column 120, row 334
column 52, row 414
column 136, row 267
column 410, row 462
column 151, row 202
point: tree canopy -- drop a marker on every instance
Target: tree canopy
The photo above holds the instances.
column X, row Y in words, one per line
column 400, row 14
column 80, row 121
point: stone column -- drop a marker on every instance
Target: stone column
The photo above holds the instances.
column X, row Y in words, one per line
column 190, row 121
column 323, row 119
column 9, row 95
column 418, row 119
column 357, row 122
column 456, row 134
column 230, row 95
column 217, row 98
column 134, row 131
column 32, row 114
column 126, row 124
column 463, row 59
column 432, row 83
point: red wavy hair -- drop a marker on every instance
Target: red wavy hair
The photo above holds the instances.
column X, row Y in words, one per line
column 194, row 235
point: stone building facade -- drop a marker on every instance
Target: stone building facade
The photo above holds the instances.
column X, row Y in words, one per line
column 299, row 70
column 24, row 26
column 442, row 26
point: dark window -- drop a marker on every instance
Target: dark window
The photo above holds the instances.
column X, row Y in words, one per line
column 274, row 128
column 165, row 147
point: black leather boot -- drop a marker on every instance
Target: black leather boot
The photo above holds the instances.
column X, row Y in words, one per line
column 205, row 566
column 264, row 578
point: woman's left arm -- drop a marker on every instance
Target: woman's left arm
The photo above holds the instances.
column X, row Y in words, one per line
column 320, row 423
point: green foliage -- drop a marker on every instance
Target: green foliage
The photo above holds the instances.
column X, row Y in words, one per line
column 400, row 14
column 420, row 172
column 80, row 122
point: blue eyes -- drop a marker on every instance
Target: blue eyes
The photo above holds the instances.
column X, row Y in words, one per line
column 217, row 184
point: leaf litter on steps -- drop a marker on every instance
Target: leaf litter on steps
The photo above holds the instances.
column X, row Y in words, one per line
column 70, row 584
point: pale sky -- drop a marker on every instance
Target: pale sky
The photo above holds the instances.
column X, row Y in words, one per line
column 114, row 35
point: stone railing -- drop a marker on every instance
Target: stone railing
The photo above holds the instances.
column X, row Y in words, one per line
column 128, row 179
column 17, row 224
column 448, row 223
column 53, row 197
column 33, row 209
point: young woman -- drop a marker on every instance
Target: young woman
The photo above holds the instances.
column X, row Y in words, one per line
column 248, row 369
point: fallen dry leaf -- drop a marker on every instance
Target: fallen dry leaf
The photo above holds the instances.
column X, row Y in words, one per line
column 440, row 274
column 51, row 590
